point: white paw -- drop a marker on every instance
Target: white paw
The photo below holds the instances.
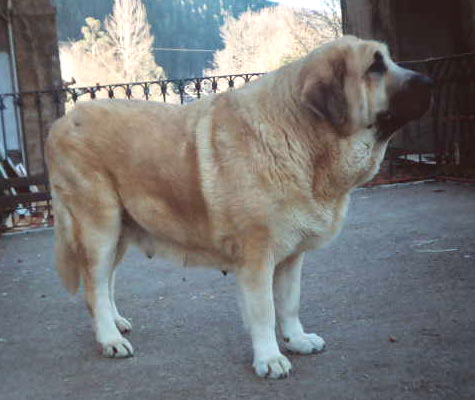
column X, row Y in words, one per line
column 123, row 325
column 275, row 367
column 305, row 343
column 117, row 348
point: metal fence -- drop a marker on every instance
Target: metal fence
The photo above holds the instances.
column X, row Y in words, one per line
column 440, row 145
column 26, row 117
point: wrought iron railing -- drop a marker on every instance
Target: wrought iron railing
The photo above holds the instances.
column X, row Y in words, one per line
column 25, row 119
column 170, row 90
column 441, row 144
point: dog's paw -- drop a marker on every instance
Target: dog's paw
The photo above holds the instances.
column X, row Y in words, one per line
column 307, row 343
column 117, row 348
column 123, row 325
column 276, row 366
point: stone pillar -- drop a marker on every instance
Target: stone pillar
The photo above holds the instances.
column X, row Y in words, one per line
column 38, row 68
column 414, row 29
column 369, row 19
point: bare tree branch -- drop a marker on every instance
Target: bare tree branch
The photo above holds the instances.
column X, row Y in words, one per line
column 266, row 39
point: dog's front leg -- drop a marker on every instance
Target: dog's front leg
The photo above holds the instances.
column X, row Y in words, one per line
column 255, row 284
column 287, row 298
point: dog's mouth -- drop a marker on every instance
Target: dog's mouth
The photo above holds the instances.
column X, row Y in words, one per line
column 387, row 123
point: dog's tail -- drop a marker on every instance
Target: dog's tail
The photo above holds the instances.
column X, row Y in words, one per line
column 68, row 254
column 68, row 251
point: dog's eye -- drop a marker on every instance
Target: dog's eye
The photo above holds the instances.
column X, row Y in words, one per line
column 378, row 66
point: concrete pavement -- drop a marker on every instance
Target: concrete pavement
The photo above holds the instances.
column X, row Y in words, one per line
column 393, row 296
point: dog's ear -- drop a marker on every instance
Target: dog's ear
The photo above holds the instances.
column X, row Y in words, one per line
column 325, row 96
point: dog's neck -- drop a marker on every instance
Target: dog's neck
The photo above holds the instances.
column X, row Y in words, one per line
column 336, row 163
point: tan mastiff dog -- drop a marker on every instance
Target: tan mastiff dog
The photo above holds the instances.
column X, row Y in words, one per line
column 245, row 181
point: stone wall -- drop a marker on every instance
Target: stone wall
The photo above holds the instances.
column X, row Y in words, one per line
column 414, row 29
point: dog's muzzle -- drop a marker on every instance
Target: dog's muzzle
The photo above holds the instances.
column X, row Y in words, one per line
column 407, row 104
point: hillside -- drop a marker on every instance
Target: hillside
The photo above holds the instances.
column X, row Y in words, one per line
column 184, row 24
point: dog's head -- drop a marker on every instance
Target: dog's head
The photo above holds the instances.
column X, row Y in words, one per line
column 355, row 85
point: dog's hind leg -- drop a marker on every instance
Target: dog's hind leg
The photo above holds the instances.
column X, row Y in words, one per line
column 101, row 246
column 287, row 301
column 122, row 324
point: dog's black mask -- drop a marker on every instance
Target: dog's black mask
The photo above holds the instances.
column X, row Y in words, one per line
column 410, row 102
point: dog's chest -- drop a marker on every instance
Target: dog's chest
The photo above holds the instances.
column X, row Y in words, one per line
column 361, row 156
column 307, row 228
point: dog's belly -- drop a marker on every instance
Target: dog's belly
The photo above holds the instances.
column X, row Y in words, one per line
column 174, row 240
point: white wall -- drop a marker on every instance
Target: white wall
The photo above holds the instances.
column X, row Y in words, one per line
column 11, row 128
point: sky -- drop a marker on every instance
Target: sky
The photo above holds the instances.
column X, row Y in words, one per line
column 311, row 4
